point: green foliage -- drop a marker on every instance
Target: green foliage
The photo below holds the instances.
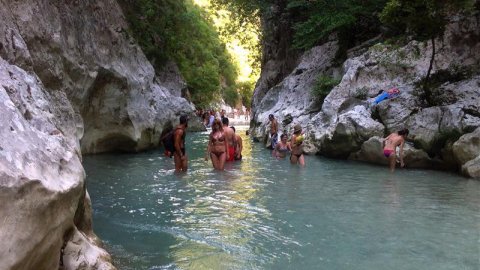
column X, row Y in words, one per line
column 231, row 96
column 323, row 86
column 179, row 30
column 423, row 19
column 242, row 24
column 246, row 92
column 315, row 20
column 361, row 93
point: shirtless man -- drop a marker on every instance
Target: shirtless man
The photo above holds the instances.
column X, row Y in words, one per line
column 179, row 156
column 238, row 145
column 273, row 130
column 230, row 136
column 390, row 145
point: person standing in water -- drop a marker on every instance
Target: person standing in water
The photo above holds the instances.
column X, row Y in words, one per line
column 230, row 136
column 179, row 156
column 238, row 145
column 217, row 147
column 296, row 143
column 282, row 147
column 273, row 130
column 390, row 144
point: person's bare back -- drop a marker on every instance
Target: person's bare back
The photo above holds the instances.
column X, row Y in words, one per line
column 230, row 137
column 390, row 144
column 392, row 141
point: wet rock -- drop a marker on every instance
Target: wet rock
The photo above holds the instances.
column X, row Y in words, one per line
column 80, row 253
column 472, row 168
column 467, row 147
column 71, row 82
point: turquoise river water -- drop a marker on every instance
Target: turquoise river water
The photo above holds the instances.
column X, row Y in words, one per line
column 263, row 213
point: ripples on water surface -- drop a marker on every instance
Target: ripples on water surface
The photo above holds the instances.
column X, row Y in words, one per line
column 263, row 213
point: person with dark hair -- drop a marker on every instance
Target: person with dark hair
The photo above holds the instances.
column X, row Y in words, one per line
column 390, row 144
column 296, row 145
column 238, row 145
column 217, row 147
column 211, row 118
column 282, row 147
column 179, row 155
column 230, row 136
column 273, row 131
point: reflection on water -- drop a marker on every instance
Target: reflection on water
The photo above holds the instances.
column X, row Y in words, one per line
column 263, row 213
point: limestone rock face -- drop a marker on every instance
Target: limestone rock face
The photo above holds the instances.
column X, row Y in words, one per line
column 467, row 147
column 352, row 129
column 343, row 125
column 41, row 176
column 72, row 81
column 80, row 253
column 83, row 50
column 278, row 58
column 289, row 101
column 472, row 168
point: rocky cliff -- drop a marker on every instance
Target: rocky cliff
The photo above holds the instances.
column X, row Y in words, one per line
column 72, row 81
column 444, row 134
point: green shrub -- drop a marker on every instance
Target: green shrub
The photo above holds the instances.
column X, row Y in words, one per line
column 180, row 31
column 323, row 86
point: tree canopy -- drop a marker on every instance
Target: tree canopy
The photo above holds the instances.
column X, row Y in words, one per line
column 182, row 32
column 202, row 39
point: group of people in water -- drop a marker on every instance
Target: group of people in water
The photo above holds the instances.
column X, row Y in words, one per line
column 224, row 145
column 208, row 116
column 294, row 146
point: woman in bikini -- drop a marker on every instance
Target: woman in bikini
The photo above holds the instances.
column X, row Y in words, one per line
column 282, row 147
column 217, row 146
column 296, row 157
column 390, row 144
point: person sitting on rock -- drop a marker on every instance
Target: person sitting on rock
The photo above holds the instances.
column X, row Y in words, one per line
column 390, row 145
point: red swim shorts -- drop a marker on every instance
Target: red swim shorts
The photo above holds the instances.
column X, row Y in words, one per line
column 231, row 153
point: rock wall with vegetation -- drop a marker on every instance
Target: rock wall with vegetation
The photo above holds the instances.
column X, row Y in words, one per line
column 328, row 93
column 72, row 81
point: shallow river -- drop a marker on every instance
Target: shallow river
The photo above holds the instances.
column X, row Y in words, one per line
column 263, row 213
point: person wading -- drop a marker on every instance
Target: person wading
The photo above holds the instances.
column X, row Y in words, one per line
column 282, row 147
column 238, row 145
column 273, row 130
column 230, row 136
column 217, row 147
column 179, row 156
column 390, row 145
column 296, row 144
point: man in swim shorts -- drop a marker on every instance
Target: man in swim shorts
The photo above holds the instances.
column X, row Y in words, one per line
column 238, row 145
column 273, row 130
column 390, row 145
column 230, row 136
column 179, row 156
